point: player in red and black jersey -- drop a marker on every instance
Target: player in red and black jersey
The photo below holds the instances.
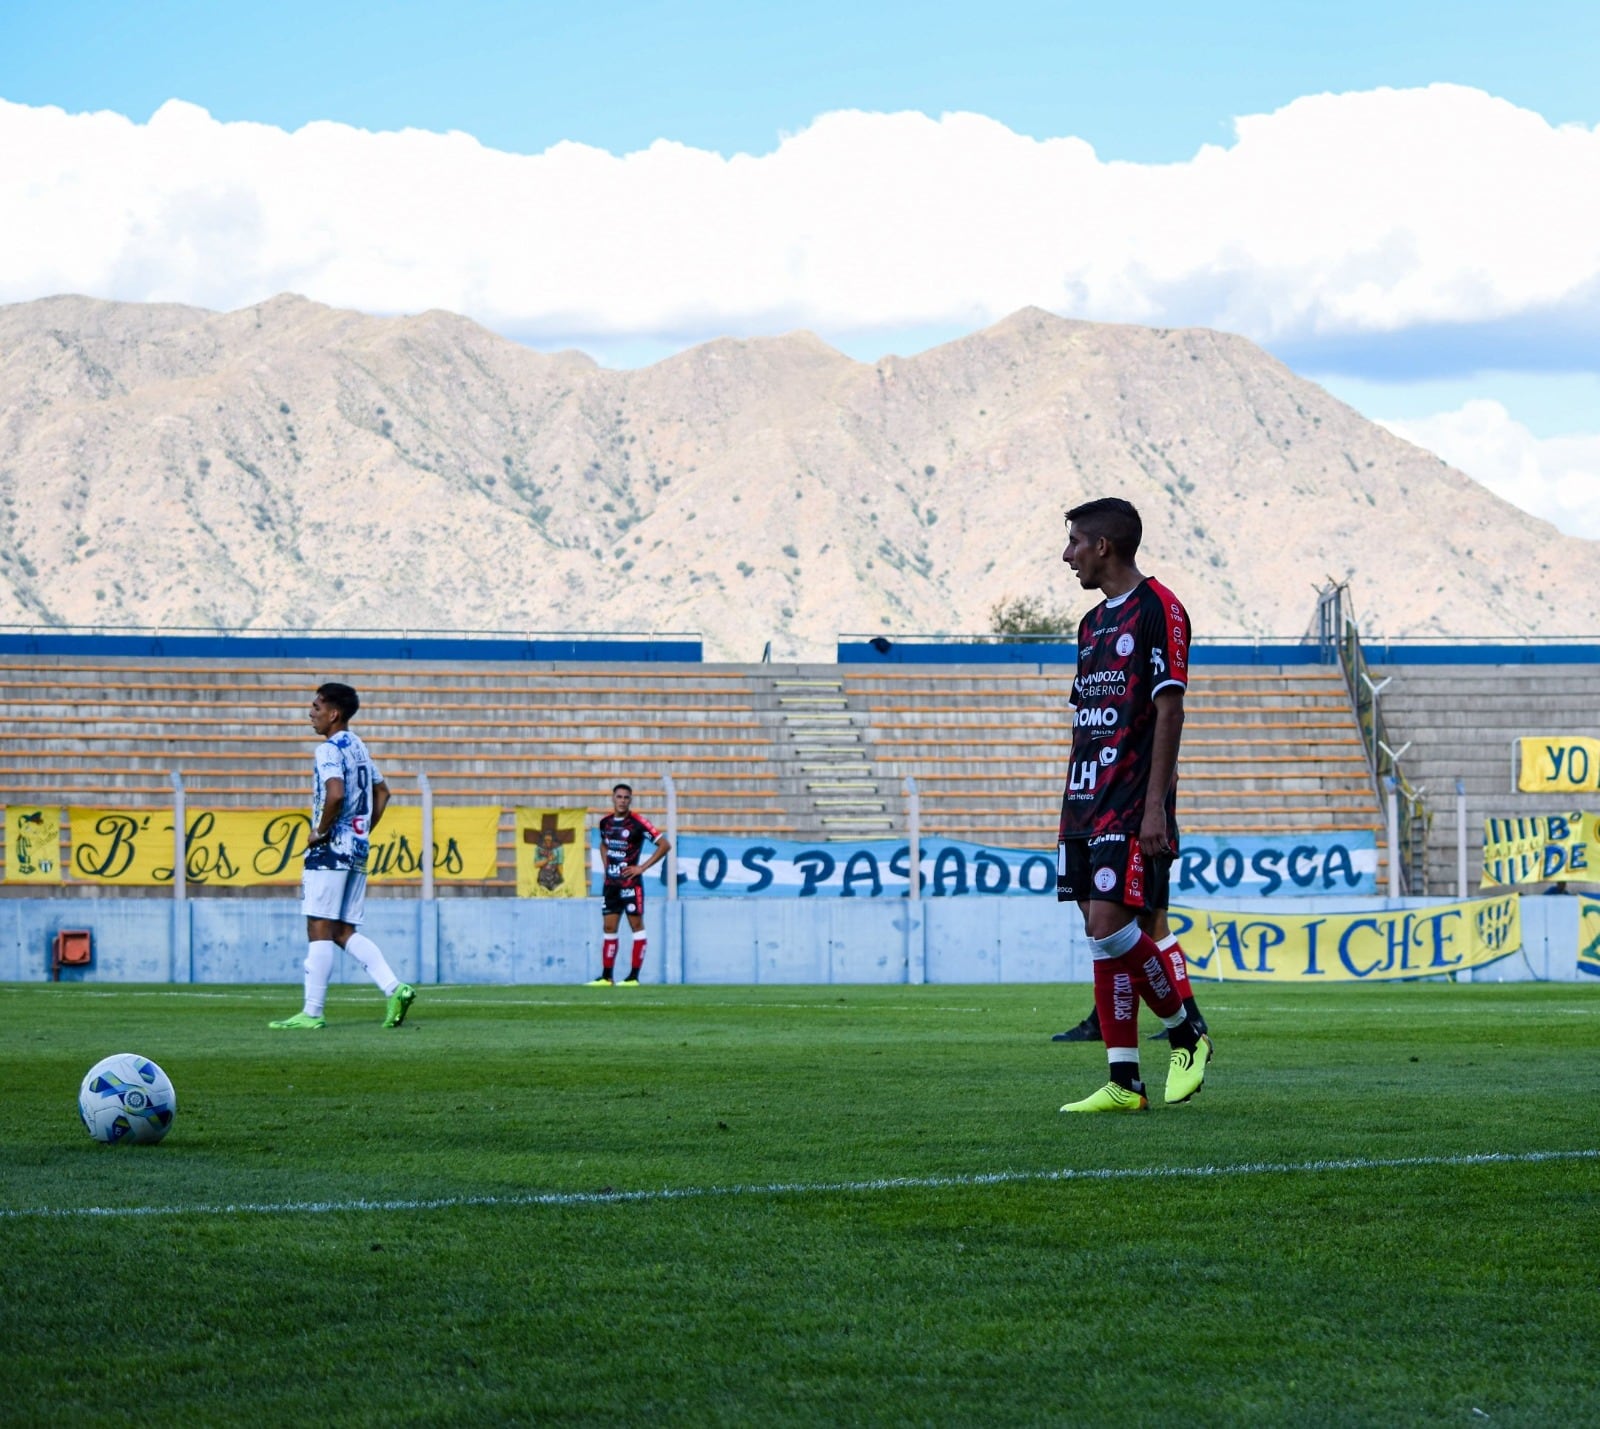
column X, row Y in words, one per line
column 623, row 835
column 1118, row 832
column 1131, row 648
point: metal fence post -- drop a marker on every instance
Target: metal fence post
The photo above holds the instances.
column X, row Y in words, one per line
column 1461, row 839
column 1394, row 836
column 426, row 790
column 182, row 939
column 427, row 909
column 916, row 922
column 672, row 962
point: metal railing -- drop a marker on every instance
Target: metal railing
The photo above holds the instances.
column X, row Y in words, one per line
column 1410, row 819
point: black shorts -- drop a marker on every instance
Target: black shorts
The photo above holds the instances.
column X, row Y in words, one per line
column 1112, row 868
column 624, row 898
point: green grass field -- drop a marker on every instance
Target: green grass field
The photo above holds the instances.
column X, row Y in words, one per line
column 804, row 1206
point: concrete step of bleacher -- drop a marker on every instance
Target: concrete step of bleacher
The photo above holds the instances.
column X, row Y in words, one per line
column 1461, row 722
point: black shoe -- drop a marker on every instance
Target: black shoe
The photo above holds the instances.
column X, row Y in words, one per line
column 1086, row 1031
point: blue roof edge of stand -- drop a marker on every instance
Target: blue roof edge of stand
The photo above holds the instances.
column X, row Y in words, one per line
column 352, row 646
column 882, row 650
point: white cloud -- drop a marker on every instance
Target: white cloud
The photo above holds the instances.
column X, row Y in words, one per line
column 1339, row 214
column 1557, row 478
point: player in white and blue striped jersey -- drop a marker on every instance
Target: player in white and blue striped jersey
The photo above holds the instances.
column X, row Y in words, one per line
column 348, row 798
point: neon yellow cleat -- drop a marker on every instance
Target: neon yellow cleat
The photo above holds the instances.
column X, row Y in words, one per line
column 601, row 981
column 400, row 1000
column 1186, row 1073
column 1111, row 1097
column 300, row 1022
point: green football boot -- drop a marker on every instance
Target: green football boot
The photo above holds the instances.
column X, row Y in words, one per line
column 1186, row 1073
column 301, row 1021
column 1111, row 1097
column 399, row 1003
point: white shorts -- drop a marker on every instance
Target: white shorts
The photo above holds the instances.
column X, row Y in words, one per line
column 336, row 893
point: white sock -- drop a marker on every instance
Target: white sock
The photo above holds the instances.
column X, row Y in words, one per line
column 370, row 956
column 319, row 968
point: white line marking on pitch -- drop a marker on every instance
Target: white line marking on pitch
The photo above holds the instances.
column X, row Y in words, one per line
column 444, row 997
column 803, row 1188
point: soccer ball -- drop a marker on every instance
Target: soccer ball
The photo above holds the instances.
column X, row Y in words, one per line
column 127, row 1098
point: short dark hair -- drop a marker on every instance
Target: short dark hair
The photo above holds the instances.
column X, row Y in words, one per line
column 617, row 788
column 342, row 697
column 1113, row 518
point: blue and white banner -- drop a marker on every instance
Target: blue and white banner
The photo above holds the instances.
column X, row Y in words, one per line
column 1284, row 865
column 777, row 868
column 1293, row 866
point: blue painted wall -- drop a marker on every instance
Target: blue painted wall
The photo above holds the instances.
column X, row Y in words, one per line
column 557, row 942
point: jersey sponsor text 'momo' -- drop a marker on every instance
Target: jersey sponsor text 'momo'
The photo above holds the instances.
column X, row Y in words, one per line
column 1129, row 649
column 622, row 841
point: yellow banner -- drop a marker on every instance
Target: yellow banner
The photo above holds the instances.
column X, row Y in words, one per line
column 466, row 845
column 1589, row 936
column 246, row 848
column 551, row 851
column 33, row 844
column 1559, row 764
column 1541, row 849
column 1349, row 947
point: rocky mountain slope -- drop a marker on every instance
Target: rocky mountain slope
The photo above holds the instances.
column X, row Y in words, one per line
column 291, row 465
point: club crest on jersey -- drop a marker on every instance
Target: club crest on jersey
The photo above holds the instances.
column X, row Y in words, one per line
column 1125, row 644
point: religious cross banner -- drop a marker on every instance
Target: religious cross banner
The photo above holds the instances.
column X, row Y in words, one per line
column 550, row 853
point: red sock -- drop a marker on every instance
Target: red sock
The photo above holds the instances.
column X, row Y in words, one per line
column 1177, row 966
column 1149, row 966
column 1116, row 999
column 638, row 953
column 608, row 955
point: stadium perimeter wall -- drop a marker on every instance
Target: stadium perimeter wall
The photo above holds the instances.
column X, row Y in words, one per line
column 556, row 942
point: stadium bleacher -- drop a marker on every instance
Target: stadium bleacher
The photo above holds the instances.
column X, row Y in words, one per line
column 1264, row 749
column 1460, row 721
column 799, row 752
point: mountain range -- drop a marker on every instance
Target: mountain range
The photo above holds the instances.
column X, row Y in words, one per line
column 291, row 465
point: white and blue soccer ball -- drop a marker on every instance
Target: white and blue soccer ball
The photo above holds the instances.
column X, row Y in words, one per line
column 127, row 1098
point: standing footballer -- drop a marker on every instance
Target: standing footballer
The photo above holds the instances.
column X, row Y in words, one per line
column 347, row 800
column 623, row 835
column 1118, row 812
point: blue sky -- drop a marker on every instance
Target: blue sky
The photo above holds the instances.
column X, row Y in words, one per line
column 1145, row 86
column 1148, row 82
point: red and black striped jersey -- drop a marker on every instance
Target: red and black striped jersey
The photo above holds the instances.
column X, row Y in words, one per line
column 622, row 841
column 1128, row 649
